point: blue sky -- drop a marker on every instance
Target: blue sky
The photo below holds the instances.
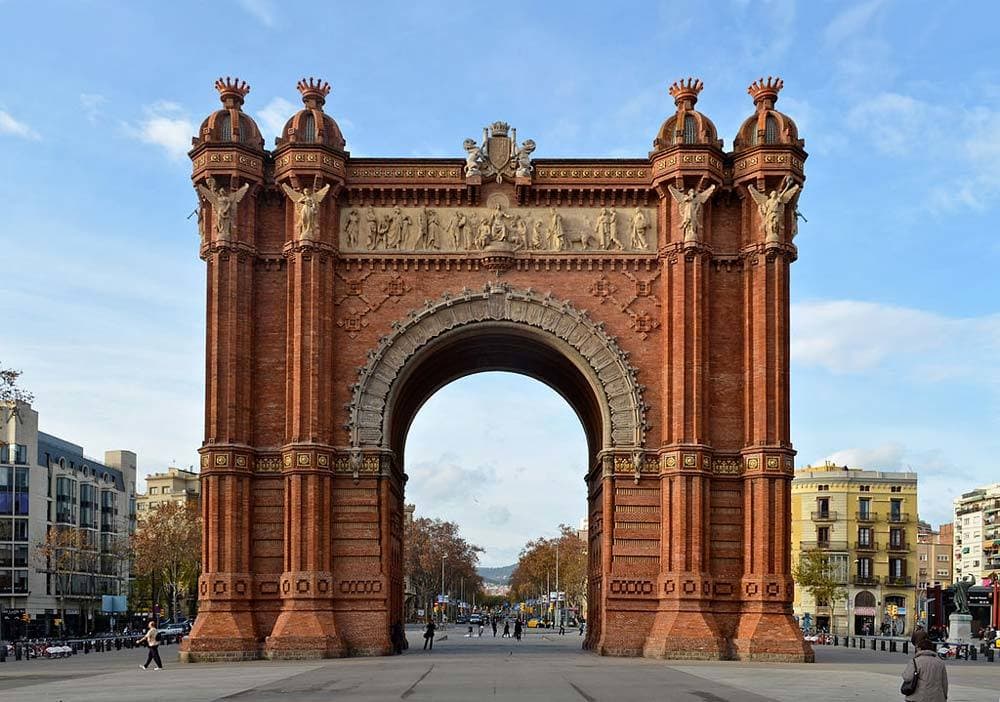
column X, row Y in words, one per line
column 896, row 328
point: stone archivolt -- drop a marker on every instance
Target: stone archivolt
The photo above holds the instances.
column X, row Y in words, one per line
column 613, row 375
column 652, row 292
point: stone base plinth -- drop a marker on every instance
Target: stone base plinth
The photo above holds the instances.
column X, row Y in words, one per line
column 685, row 635
column 304, row 634
column 221, row 636
column 960, row 628
column 769, row 636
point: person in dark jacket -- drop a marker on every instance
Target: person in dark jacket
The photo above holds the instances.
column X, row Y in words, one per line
column 429, row 635
column 517, row 629
column 931, row 674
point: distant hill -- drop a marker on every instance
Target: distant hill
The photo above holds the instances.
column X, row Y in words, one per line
column 497, row 576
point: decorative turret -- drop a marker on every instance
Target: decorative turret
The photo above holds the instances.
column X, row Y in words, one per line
column 311, row 125
column 230, row 124
column 767, row 126
column 687, row 125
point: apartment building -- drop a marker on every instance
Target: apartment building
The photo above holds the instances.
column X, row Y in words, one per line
column 173, row 485
column 51, row 493
column 977, row 534
column 934, row 556
column 865, row 523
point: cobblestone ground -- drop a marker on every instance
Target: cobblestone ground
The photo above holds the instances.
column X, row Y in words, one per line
column 543, row 666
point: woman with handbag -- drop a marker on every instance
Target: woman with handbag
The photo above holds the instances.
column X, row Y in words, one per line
column 429, row 635
column 925, row 678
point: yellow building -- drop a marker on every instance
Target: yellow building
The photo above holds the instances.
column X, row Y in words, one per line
column 176, row 485
column 865, row 522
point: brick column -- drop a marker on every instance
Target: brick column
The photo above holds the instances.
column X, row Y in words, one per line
column 225, row 625
column 766, row 630
column 306, row 628
column 684, row 627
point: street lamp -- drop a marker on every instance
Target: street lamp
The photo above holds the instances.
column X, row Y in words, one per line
column 442, row 589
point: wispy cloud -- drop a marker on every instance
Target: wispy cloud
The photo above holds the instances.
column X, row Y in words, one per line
column 849, row 336
column 165, row 125
column 91, row 103
column 13, row 127
column 263, row 11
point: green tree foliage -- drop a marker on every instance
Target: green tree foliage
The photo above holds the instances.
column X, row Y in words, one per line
column 427, row 542
column 536, row 566
column 814, row 573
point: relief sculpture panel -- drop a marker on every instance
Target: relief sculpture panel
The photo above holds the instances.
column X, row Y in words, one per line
column 543, row 229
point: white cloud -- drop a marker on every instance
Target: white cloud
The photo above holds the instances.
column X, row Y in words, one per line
column 849, row 336
column 273, row 116
column 895, row 124
column 261, row 10
column 852, row 22
column 165, row 125
column 91, row 104
column 11, row 126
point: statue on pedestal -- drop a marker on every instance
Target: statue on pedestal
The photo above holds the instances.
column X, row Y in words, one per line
column 690, row 205
column 307, row 208
column 223, row 202
column 772, row 208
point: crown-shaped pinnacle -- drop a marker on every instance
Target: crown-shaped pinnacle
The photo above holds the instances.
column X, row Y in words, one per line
column 686, row 90
column 765, row 91
column 232, row 91
column 314, row 92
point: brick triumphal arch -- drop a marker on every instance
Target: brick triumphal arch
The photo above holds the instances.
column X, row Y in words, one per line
column 651, row 292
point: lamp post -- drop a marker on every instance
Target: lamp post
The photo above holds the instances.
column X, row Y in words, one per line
column 995, row 583
column 442, row 589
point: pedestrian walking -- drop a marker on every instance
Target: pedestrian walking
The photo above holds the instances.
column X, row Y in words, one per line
column 480, row 630
column 562, row 628
column 429, row 635
column 581, row 627
column 493, row 623
column 517, row 629
column 506, row 630
column 925, row 677
column 397, row 637
column 151, row 639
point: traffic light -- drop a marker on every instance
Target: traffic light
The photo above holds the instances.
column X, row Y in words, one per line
column 893, row 611
column 25, row 617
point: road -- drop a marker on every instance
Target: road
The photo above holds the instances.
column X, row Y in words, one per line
column 544, row 666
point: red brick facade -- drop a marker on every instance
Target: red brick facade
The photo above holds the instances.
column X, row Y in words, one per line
column 328, row 327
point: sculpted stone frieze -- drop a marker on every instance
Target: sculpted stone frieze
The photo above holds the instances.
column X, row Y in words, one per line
column 569, row 229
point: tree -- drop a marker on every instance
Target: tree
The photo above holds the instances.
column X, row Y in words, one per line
column 817, row 576
column 10, row 396
column 167, row 546
column 536, row 567
column 65, row 551
column 426, row 543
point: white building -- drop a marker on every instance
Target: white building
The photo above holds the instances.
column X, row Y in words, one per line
column 48, row 485
column 977, row 533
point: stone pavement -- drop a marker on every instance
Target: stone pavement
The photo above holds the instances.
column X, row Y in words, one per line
column 542, row 667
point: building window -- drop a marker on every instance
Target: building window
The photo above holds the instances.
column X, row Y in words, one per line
column 823, row 488
column 690, row 130
column 864, row 536
column 864, row 508
column 895, row 510
column 823, row 506
column 897, row 567
column 942, row 573
column 865, row 488
column 864, row 568
column 823, row 536
column 65, row 501
column 896, row 488
column 923, row 556
column 942, row 558
column 309, row 128
column 154, row 491
column 770, row 130
column 896, row 538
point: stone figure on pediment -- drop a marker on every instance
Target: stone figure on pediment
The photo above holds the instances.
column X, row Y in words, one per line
column 689, row 206
column 223, row 204
column 521, row 232
column 307, row 203
column 483, row 236
column 611, row 230
column 772, row 208
column 398, row 229
column 637, row 230
column 523, row 158
column 498, row 223
column 473, row 157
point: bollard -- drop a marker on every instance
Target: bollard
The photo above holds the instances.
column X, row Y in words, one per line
column 3, row 653
column 118, row 644
column 17, row 652
column 973, row 652
column 86, row 648
column 836, row 640
column 989, row 655
column 892, row 646
column 883, row 644
column 874, row 645
column 906, row 647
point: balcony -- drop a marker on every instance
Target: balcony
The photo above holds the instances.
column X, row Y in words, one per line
column 899, row 518
column 867, row 516
column 897, row 547
column 866, row 580
column 870, row 546
column 899, row 581
column 823, row 545
column 826, row 516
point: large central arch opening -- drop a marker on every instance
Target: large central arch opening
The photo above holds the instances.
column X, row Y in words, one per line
column 497, row 428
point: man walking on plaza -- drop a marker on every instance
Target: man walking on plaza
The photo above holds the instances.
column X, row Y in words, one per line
column 429, row 635
column 493, row 623
column 150, row 638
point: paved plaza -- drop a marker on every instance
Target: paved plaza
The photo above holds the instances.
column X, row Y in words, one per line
column 543, row 666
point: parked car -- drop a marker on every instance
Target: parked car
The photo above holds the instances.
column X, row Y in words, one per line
column 476, row 619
